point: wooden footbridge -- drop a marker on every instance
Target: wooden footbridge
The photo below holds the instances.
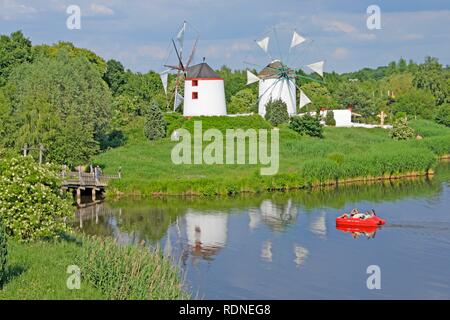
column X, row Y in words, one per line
column 94, row 182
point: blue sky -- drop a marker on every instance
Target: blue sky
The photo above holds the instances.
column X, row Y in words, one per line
column 138, row 33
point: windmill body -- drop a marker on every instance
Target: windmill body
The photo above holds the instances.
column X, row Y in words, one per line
column 204, row 92
column 272, row 87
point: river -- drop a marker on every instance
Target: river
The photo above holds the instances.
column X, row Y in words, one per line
column 286, row 245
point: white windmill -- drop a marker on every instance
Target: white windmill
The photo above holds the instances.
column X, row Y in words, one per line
column 277, row 80
column 204, row 90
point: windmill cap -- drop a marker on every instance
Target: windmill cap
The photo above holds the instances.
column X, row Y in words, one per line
column 201, row 70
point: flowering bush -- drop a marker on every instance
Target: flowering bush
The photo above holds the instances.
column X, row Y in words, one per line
column 31, row 204
column 401, row 130
column 3, row 253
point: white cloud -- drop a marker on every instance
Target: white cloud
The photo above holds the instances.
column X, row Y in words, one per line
column 340, row 53
column 101, row 9
column 12, row 9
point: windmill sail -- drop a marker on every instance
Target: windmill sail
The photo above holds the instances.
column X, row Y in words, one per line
column 297, row 39
column 178, row 100
column 251, row 78
column 304, row 100
column 164, row 79
column 317, row 67
column 264, row 43
column 180, row 35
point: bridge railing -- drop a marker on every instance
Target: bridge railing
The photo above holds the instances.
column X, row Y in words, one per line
column 87, row 179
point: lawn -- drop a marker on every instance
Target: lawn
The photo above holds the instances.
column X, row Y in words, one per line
column 342, row 153
column 38, row 271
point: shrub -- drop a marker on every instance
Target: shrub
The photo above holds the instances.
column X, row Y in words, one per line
column 155, row 125
column 244, row 101
column 31, row 204
column 401, row 130
column 276, row 112
column 129, row 272
column 443, row 115
column 307, row 125
column 329, row 119
column 3, row 253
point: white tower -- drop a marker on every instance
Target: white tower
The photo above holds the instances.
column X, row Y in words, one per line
column 272, row 87
column 204, row 92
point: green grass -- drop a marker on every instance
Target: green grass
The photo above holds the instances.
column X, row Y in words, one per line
column 38, row 271
column 343, row 153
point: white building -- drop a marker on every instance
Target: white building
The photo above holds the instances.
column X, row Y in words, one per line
column 272, row 86
column 204, row 92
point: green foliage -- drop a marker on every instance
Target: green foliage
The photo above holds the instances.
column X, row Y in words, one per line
column 401, row 130
column 431, row 76
column 352, row 94
column 307, row 125
column 244, row 101
column 443, row 115
column 115, row 76
column 276, row 112
column 416, row 103
column 155, row 126
column 234, row 82
column 3, row 252
column 31, row 204
column 174, row 121
column 329, row 118
column 61, row 102
column 14, row 50
column 223, row 123
column 319, row 95
column 129, row 272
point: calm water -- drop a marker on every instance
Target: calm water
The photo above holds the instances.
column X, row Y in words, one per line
column 286, row 246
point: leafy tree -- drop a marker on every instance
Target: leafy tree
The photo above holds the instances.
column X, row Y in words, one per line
column 31, row 205
column 276, row 112
column 431, row 76
column 68, row 48
column 234, row 82
column 61, row 102
column 14, row 50
column 417, row 103
column 155, row 125
column 319, row 95
column 351, row 94
column 243, row 102
column 115, row 76
column 401, row 130
column 307, row 125
column 443, row 115
column 329, row 118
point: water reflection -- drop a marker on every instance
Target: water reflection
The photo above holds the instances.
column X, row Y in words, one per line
column 233, row 247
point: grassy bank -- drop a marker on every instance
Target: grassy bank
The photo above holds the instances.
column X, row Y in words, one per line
column 344, row 154
column 108, row 271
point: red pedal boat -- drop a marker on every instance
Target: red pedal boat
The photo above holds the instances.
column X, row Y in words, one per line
column 347, row 220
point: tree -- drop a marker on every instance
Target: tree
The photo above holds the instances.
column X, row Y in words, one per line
column 234, row 82
column 416, row 103
column 307, row 125
column 351, row 94
column 320, row 97
column 243, row 102
column 61, row 102
column 155, row 126
column 3, row 253
column 431, row 76
column 14, row 50
column 276, row 112
column 329, row 119
column 115, row 76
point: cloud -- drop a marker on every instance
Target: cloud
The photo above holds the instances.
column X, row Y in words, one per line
column 11, row 9
column 101, row 9
column 341, row 53
column 153, row 51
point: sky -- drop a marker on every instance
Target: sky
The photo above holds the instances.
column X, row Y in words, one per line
column 138, row 33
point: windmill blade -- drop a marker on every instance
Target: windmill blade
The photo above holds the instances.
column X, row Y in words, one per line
column 173, row 67
column 264, row 44
column 293, row 101
column 296, row 40
column 191, row 57
column 180, row 35
column 178, row 100
column 180, row 61
column 164, row 79
column 304, row 100
column 317, row 67
column 251, row 78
